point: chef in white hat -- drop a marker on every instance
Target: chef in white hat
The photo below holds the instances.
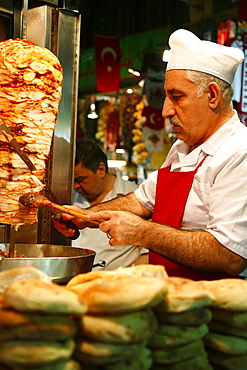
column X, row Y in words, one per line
column 192, row 212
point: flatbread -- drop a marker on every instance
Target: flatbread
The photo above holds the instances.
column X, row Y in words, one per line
column 132, row 327
column 195, row 317
column 227, row 344
column 39, row 296
column 21, row 273
column 16, row 325
column 141, row 361
column 97, row 353
column 221, row 327
column 61, row 365
column 227, row 361
column 32, row 353
column 185, row 295
column 168, row 336
column 233, row 318
column 230, row 294
column 196, row 363
column 146, row 270
column 121, row 294
column 178, row 354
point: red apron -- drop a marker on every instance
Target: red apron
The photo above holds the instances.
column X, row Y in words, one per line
column 172, row 191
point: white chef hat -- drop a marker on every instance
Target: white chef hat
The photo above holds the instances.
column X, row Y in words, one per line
column 189, row 52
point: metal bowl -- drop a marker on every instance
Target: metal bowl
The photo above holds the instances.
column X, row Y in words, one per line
column 59, row 262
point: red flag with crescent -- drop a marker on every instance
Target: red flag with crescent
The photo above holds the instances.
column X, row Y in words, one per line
column 107, row 57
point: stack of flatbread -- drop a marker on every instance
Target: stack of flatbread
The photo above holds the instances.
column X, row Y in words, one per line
column 38, row 323
column 227, row 340
column 183, row 318
column 114, row 332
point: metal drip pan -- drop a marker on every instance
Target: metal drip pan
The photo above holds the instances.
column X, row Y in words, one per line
column 59, row 262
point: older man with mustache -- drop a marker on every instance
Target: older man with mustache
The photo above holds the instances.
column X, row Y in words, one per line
column 192, row 213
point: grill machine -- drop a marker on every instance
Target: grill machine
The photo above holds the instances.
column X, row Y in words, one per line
column 56, row 27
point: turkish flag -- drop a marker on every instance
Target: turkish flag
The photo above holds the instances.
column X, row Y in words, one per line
column 107, row 57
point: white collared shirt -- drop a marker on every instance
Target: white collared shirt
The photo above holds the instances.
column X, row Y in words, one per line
column 95, row 239
column 217, row 201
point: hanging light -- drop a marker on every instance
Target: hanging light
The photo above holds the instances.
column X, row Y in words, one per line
column 92, row 113
column 133, row 72
column 116, row 163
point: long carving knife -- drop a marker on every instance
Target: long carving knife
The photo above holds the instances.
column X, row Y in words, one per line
column 15, row 145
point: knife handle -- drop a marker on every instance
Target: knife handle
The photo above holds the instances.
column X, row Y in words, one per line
column 70, row 224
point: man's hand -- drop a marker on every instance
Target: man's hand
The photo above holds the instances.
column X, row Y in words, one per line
column 123, row 228
column 64, row 228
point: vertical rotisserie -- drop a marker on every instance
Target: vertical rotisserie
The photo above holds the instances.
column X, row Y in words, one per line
column 30, row 91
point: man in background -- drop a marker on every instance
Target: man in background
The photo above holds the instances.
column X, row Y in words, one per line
column 95, row 183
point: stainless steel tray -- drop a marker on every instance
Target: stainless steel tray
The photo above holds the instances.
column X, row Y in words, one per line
column 59, row 262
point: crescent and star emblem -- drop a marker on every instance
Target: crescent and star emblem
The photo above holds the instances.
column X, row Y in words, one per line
column 152, row 118
column 105, row 51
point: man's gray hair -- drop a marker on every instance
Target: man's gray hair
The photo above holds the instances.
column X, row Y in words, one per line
column 201, row 79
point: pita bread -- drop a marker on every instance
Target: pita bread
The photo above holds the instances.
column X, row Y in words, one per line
column 227, row 361
column 178, row 354
column 232, row 318
column 34, row 353
column 172, row 336
column 196, row 363
column 226, row 343
column 61, row 365
column 184, row 295
column 97, row 353
column 195, row 317
column 121, row 294
column 39, row 296
column 38, row 327
column 141, row 361
column 146, row 270
column 223, row 328
column 133, row 327
column 230, row 294
column 21, row 273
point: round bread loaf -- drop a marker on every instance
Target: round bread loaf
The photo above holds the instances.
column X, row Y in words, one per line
column 141, row 361
column 97, row 353
column 34, row 353
column 137, row 271
column 195, row 317
column 61, row 365
column 168, row 336
column 39, row 296
column 16, row 325
column 223, row 328
column 226, row 361
column 178, row 354
column 133, row 327
column 226, row 343
column 121, row 293
column 185, row 295
column 232, row 318
column 196, row 363
column 230, row 294
column 21, row 273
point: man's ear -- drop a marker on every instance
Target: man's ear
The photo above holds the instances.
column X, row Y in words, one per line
column 102, row 169
column 214, row 95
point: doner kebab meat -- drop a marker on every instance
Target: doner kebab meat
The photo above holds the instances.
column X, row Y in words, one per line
column 30, row 91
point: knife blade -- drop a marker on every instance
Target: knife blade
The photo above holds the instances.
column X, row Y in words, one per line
column 16, row 146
